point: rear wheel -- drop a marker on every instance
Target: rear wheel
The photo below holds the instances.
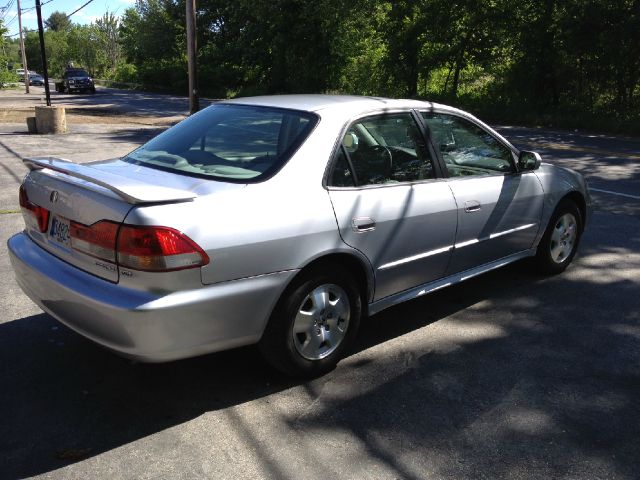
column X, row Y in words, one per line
column 314, row 323
column 561, row 238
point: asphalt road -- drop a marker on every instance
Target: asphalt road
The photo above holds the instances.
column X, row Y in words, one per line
column 107, row 99
column 509, row 375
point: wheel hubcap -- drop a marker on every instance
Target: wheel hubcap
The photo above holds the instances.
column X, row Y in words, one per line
column 321, row 322
column 563, row 238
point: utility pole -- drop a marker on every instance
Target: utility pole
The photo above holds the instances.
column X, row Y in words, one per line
column 43, row 53
column 194, row 104
column 24, row 56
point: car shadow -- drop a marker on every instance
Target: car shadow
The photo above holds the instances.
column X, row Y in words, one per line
column 65, row 399
column 134, row 102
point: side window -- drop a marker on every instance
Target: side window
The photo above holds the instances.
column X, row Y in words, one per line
column 382, row 149
column 466, row 148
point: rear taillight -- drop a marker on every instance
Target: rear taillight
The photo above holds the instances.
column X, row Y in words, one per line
column 153, row 249
column 41, row 214
column 97, row 240
column 157, row 249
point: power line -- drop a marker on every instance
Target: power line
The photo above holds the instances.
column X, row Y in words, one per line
column 44, row 3
column 6, row 8
column 11, row 21
column 76, row 11
column 33, row 8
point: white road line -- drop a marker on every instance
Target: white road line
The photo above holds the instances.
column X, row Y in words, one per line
column 635, row 197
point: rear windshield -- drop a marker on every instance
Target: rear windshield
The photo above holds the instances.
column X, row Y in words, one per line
column 235, row 143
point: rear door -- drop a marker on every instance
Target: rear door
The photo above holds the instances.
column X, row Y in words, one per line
column 499, row 209
column 389, row 203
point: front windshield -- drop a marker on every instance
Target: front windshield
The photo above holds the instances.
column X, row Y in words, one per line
column 77, row 73
column 236, row 143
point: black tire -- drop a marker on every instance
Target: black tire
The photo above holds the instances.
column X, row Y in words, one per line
column 552, row 263
column 283, row 350
column 93, row 90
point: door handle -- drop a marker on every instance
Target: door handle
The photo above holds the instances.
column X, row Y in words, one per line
column 472, row 206
column 363, row 224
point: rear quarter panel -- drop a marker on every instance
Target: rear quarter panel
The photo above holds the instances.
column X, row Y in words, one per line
column 280, row 224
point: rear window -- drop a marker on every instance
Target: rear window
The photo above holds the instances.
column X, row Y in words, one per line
column 235, row 143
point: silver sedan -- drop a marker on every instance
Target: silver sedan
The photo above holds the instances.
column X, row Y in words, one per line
column 284, row 221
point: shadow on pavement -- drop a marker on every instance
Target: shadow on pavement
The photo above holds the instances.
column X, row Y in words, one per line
column 554, row 391
column 132, row 135
column 132, row 102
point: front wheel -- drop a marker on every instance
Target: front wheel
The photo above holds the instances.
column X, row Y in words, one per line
column 561, row 238
column 314, row 323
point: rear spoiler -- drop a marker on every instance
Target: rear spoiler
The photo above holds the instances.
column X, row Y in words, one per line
column 132, row 191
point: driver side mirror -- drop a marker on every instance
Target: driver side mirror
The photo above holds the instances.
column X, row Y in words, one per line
column 528, row 161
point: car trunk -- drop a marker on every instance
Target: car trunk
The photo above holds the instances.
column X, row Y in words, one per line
column 59, row 198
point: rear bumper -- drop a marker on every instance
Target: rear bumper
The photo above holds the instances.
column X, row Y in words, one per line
column 147, row 326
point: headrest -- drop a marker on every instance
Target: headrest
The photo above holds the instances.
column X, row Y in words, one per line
column 350, row 140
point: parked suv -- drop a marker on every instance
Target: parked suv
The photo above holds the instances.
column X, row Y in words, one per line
column 75, row 79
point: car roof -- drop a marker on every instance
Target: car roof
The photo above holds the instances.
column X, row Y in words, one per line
column 318, row 102
column 349, row 106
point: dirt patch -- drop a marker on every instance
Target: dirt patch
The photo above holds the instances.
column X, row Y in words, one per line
column 87, row 115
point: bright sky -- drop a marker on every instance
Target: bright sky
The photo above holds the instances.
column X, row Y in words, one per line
column 87, row 15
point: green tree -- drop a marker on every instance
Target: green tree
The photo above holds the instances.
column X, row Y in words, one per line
column 107, row 29
column 58, row 22
column 83, row 43
column 6, row 76
column 152, row 39
column 577, row 60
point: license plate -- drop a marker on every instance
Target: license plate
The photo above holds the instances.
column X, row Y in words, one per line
column 59, row 231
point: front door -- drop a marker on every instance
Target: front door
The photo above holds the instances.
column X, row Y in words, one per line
column 499, row 209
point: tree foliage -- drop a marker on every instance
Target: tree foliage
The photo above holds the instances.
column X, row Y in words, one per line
column 95, row 47
column 6, row 75
column 58, row 22
column 526, row 60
